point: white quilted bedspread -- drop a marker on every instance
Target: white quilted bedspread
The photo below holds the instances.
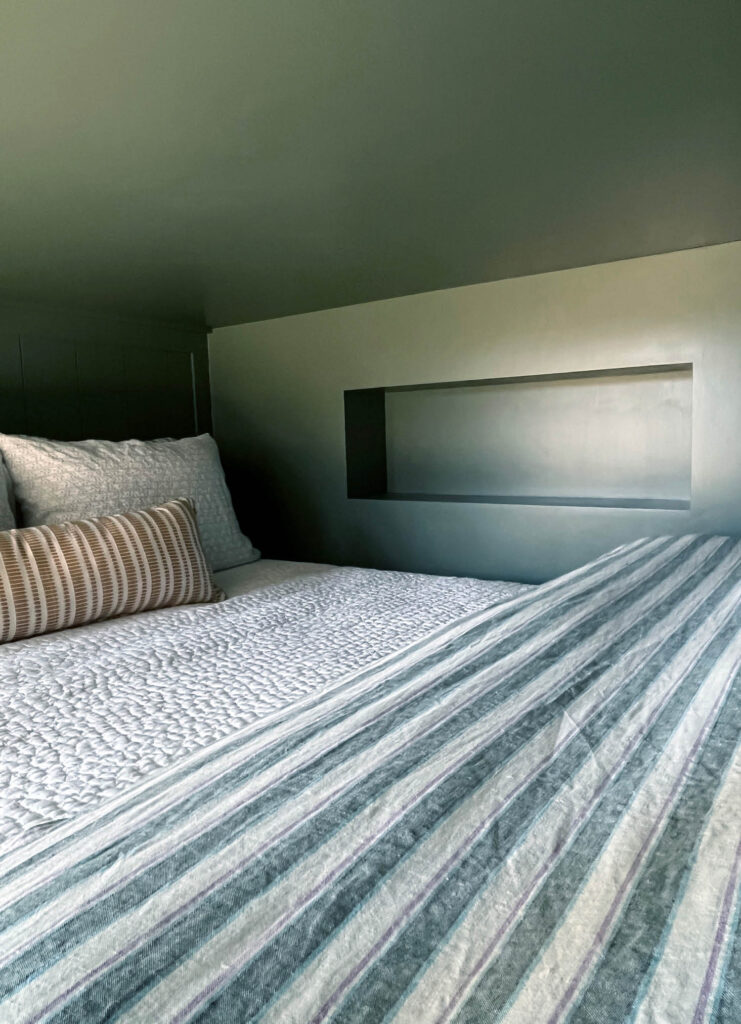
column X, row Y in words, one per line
column 86, row 712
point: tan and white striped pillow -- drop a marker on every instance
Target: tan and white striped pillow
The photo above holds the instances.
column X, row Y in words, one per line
column 54, row 577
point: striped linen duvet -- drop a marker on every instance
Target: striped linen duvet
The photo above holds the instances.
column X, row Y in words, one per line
column 534, row 815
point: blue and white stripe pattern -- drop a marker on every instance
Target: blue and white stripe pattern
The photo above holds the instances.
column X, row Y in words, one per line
column 532, row 816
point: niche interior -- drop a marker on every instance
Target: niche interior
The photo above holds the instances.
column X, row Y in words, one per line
column 619, row 438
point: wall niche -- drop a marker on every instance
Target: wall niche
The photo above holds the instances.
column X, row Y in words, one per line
column 614, row 438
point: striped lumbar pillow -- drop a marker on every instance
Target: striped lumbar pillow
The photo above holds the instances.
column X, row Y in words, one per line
column 54, row 577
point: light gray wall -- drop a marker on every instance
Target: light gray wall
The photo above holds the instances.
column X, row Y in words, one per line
column 277, row 394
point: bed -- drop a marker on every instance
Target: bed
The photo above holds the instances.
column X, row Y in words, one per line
column 91, row 710
column 453, row 801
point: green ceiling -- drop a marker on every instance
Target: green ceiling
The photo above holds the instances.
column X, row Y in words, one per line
column 229, row 160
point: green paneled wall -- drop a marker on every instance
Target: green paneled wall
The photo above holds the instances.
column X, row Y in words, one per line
column 68, row 375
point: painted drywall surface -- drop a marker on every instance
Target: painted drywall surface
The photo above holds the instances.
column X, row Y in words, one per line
column 277, row 392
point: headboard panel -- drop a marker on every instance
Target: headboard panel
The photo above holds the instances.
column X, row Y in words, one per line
column 70, row 376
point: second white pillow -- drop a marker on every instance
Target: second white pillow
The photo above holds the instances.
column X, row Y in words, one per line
column 56, row 481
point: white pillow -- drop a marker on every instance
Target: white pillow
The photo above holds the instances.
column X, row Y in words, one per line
column 57, row 481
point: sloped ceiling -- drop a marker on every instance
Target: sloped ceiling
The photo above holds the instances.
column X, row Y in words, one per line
column 229, row 160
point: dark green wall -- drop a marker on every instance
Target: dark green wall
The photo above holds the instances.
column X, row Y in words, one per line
column 68, row 374
column 279, row 411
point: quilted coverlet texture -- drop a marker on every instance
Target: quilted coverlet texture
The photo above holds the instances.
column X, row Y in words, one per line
column 89, row 711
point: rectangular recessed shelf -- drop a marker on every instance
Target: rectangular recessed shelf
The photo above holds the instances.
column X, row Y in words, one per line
column 534, row 499
column 613, row 438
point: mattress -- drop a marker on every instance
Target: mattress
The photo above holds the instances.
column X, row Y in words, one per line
column 530, row 816
column 88, row 712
